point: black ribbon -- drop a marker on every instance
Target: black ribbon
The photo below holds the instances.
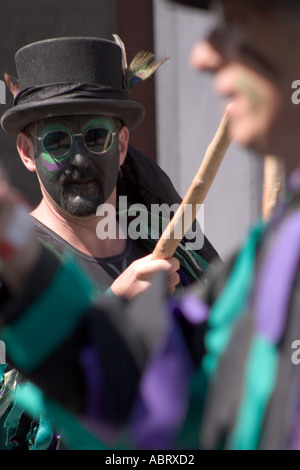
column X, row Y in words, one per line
column 70, row 91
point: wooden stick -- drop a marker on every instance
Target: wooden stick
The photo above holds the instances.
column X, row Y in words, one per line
column 272, row 185
column 196, row 194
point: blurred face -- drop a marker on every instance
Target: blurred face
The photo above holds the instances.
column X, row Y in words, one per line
column 79, row 172
column 253, row 53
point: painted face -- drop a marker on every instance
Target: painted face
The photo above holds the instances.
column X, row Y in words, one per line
column 77, row 179
column 251, row 52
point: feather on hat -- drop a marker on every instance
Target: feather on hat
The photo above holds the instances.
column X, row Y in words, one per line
column 78, row 75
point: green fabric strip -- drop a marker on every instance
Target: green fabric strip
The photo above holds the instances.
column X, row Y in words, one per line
column 51, row 248
column 41, row 437
column 12, row 420
column 74, row 434
column 2, row 372
column 230, row 305
column 188, row 436
column 260, row 378
column 222, row 318
column 42, row 328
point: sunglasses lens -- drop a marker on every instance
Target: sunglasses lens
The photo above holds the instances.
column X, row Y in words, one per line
column 57, row 143
column 98, row 140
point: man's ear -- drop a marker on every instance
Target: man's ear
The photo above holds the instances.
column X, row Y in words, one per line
column 25, row 148
column 123, row 143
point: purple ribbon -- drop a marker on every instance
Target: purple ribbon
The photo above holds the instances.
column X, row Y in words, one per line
column 275, row 280
column 165, row 386
column 162, row 402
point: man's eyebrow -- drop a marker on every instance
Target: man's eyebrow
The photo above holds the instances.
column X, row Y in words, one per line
column 261, row 60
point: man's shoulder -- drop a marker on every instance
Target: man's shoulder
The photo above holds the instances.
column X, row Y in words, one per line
column 48, row 237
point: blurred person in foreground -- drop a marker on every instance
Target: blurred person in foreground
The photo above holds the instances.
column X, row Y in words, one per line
column 249, row 374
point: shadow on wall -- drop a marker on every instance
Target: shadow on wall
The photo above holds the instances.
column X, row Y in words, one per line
column 24, row 22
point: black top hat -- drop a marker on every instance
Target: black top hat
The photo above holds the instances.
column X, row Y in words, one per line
column 63, row 76
column 204, row 4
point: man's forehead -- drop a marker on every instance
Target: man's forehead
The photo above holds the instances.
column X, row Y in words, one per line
column 78, row 117
column 76, row 120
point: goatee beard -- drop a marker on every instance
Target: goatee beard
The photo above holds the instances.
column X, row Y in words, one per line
column 78, row 205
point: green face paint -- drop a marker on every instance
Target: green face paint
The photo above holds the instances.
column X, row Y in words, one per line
column 51, row 166
column 79, row 181
column 100, row 122
column 247, row 88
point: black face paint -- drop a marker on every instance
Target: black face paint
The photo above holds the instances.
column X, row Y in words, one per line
column 81, row 180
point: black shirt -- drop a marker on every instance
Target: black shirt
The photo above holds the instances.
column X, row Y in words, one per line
column 103, row 270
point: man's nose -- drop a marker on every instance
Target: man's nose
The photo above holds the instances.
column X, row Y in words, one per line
column 80, row 161
column 205, row 56
column 80, row 158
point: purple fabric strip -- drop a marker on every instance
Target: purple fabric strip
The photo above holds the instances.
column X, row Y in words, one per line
column 193, row 309
column 190, row 307
column 294, row 181
column 91, row 366
column 275, row 280
column 94, row 413
column 161, row 405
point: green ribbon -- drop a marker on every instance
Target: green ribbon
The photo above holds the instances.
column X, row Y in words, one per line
column 73, row 432
column 226, row 310
column 45, row 325
column 230, row 305
column 260, row 378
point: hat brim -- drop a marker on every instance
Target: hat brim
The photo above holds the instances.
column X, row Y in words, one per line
column 15, row 119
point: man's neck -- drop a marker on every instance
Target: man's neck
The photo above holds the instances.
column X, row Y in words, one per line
column 80, row 232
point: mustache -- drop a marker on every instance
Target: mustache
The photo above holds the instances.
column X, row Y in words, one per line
column 75, row 175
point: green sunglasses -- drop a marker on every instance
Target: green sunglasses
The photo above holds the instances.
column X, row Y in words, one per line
column 57, row 143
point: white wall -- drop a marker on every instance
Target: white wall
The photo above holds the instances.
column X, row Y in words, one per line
column 188, row 114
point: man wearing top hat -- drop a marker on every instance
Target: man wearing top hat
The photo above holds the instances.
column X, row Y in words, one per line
column 72, row 116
